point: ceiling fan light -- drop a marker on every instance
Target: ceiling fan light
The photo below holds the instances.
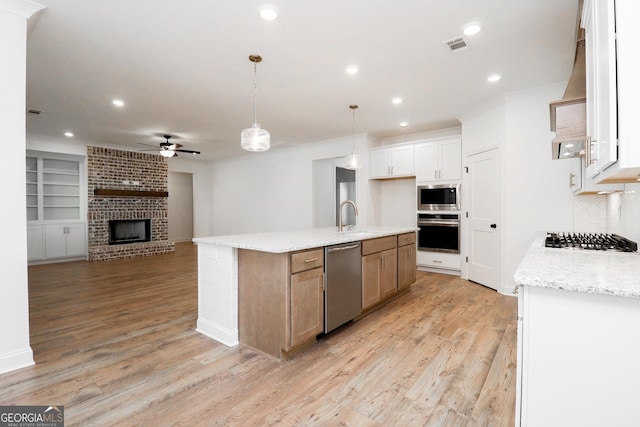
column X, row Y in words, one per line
column 255, row 138
column 167, row 153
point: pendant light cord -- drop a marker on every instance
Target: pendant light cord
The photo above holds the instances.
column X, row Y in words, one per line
column 255, row 91
column 354, row 130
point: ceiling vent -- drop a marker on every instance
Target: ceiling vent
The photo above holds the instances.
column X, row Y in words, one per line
column 456, row 44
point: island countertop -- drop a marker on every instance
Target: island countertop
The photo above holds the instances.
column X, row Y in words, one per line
column 289, row 241
column 595, row 272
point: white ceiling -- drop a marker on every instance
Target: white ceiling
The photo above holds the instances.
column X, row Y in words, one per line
column 182, row 66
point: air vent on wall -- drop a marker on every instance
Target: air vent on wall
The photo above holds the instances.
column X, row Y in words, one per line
column 456, row 44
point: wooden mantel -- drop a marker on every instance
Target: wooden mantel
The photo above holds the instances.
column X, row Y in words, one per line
column 129, row 193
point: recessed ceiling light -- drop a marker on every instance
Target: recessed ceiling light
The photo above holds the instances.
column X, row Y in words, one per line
column 351, row 69
column 397, row 100
column 494, row 78
column 68, row 134
column 118, row 102
column 268, row 12
column 404, row 124
column 471, row 29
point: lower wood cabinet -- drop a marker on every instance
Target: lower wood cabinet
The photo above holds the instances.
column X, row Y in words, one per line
column 306, row 306
column 406, row 260
column 379, row 270
column 280, row 299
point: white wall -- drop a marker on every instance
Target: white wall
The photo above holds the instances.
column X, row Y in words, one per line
column 534, row 194
column 272, row 191
column 623, row 212
column 15, row 351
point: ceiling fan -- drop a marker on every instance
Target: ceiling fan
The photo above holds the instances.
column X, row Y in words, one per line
column 170, row 149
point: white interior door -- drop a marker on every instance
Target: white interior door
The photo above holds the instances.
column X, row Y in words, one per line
column 180, row 206
column 484, row 208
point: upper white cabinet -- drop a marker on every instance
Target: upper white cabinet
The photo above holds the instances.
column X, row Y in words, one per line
column 612, row 89
column 439, row 160
column 392, row 162
column 582, row 183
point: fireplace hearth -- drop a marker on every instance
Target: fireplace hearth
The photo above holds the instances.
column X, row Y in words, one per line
column 124, row 231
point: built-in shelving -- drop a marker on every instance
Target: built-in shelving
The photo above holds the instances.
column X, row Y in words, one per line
column 53, row 189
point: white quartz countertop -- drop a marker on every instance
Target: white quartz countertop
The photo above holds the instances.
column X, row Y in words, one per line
column 594, row 272
column 288, row 241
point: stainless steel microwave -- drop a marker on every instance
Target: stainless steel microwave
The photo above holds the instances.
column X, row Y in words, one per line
column 439, row 197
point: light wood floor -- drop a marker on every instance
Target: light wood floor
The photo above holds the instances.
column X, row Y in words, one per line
column 115, row 344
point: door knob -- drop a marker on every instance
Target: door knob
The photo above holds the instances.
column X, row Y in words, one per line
column 493, row 226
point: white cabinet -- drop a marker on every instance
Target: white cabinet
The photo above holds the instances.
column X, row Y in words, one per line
column 611, row 41
column 35, row 242
column 582, row 183
column 577, row 359
column 439, row 160
column 392, row 162
column 65, row 240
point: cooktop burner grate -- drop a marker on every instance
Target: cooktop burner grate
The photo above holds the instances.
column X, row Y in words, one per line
column 590, row 241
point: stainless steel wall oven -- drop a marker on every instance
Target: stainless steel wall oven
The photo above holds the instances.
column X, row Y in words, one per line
column 439, row 232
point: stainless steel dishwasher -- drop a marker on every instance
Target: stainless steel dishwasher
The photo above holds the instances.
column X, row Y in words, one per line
column 342, row 284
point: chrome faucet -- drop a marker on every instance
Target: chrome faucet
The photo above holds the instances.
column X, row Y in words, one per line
column 355, row 210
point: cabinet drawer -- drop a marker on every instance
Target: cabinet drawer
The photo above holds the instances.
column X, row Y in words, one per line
column 406, row 239
column 306, row 260
column 371, row 246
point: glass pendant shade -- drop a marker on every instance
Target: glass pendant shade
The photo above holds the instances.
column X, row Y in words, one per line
column 167, row 153
column 353, row 161
column 255, row 138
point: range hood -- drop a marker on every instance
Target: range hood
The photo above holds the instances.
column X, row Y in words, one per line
column 569, row 115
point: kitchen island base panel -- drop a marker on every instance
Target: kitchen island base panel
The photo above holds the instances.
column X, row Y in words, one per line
column 218, row 293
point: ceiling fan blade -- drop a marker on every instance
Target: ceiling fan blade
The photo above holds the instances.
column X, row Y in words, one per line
column 148, row 145
column 188, row 151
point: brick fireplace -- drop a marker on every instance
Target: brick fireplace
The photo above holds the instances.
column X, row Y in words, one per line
column 126, row 186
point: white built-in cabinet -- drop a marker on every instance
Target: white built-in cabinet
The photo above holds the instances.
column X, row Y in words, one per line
column 55, row 204
column 577, row 359
column 392, row 162
column 613, row 88
column 582, row 183
column 439, row 160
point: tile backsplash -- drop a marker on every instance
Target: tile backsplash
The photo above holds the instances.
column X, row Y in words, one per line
column 623, row 212
column 617, row 213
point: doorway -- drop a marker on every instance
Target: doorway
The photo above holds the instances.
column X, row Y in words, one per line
column 332, row 184
column 180, row 206
column 484, row 210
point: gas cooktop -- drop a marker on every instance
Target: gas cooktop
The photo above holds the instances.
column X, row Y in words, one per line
column 590, row 241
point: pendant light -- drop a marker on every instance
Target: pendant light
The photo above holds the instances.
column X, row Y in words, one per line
column 255, row 138
column 353, row 160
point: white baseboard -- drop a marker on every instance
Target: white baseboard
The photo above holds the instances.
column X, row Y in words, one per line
column 218, row 333
column 19, row 359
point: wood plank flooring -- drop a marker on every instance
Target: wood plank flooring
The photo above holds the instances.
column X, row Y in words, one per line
column 115, row 343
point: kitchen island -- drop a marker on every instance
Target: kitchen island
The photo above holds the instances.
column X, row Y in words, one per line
column 245, row 292
column 578, row 340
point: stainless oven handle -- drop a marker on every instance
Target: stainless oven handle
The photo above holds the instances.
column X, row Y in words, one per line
column 443, row 223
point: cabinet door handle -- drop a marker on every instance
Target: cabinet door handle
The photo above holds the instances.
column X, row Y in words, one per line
column 571, row 182
column 310, row 260
column 436, row 261
column 493, row 226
